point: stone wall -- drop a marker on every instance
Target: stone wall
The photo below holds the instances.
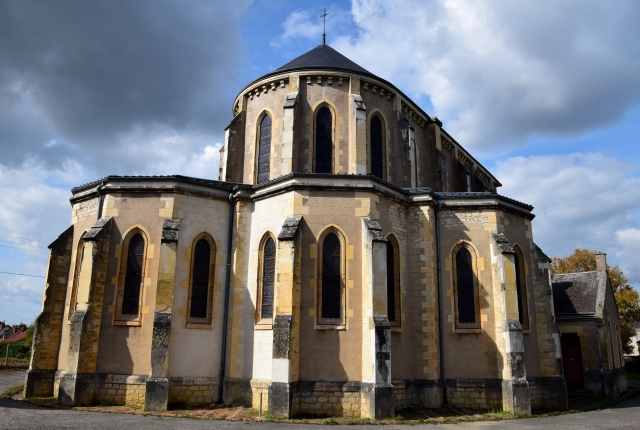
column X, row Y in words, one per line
column 120, row 390
column 193, row 391
column 420, row 393
column 328, row 398
column 475, row 393
column 547, row 392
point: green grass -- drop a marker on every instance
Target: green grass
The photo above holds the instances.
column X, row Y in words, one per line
column 12, row 392
column 633, row 376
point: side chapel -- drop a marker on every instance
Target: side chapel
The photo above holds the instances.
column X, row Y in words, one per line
column 351, row 259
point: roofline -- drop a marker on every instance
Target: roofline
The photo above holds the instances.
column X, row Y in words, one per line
column 410, row 195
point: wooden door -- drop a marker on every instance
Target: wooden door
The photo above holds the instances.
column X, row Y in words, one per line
column 572, row 361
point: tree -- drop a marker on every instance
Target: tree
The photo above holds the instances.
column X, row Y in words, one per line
column 627, row 299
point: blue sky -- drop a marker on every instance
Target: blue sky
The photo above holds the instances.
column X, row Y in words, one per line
column 546, row 94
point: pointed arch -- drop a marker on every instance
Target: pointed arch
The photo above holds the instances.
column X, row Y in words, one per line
column 465, row 286
column 393, row 281
column 331, row 276
column 133, row 266
column 324, row 139
column 377, row 145
column 201, row 279
column 266, row 280
column 264, row 148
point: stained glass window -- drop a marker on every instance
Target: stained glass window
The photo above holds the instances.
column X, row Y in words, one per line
column 331, row 277
column 375, row 137
column 133, row 276
column 522, row 299
column 268, row 278
column 200, row 280
column 391, row 282
column 324, row 141
column 264, row 151
column 466, row 295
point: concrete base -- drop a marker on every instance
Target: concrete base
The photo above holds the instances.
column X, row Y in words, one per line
column 39, row 383
column 280, row 399
column 515, row 397
column 76, row 389
column 377, row 401
column 156, row 396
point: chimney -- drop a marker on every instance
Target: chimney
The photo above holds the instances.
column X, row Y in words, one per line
column 601, row 262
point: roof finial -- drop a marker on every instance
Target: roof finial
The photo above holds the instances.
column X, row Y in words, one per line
column 324, row 27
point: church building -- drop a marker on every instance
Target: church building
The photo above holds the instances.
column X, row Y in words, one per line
column 352, row 259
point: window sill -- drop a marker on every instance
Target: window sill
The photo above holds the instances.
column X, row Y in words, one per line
column 201, row 326
column 128, row 323
column 331, row 327
column 396, row 329
column 264, row 326
column 468, row 330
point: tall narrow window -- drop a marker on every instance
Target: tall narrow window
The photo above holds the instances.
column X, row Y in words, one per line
column 200, row 280
column 393, row 281
column 133, row 276
column 264, row 151
column 377, row 157
column 521, row 291
column 324, row 141
column 267, row 279
column 465, row 287
column 331, row 278
column 73, row 300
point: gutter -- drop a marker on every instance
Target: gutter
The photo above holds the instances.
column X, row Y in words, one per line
column 440, row 328
column 227, row 287
column 100, row 199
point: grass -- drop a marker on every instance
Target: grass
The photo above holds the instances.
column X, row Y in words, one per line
column 633, row 376
column 12, row 392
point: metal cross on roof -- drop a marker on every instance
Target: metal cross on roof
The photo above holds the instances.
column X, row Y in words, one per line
column 324, row 28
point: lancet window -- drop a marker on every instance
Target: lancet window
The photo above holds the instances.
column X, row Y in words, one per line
column 264, row 149
column 324, row 141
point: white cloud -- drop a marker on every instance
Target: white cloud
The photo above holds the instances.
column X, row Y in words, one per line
column 500, row 71
column 307, row 24
column 580, row 200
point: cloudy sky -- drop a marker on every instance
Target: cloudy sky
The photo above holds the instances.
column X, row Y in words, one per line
column 546, row 94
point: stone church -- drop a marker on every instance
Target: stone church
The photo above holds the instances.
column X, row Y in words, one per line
column 351, row 259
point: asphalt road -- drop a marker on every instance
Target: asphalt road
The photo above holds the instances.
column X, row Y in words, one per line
column 19, row 415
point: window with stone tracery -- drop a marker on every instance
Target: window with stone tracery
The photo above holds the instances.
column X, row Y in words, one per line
column 521, row 289
column 376, row 147
column 393, row 281
column 465, row 287
column 131, row 278
column 324, row 141
column 266, row 281
column 201, row 280
column 264, row 149
column 332, row 279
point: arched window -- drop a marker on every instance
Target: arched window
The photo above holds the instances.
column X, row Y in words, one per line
column 465, row 287
column 393, row 281
column 266, row 281
column 264, row 149
column 200, row 277
column 73, row 300
column 134, row 276
column 376, row 151
column 521, row 290
column 331, row 278
column 324, row 141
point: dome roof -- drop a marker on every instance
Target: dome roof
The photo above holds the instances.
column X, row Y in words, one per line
column 323, row 57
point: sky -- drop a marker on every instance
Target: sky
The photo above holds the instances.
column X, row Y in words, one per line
column 545, row 94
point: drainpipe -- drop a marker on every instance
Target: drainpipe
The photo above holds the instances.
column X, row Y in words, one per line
column 227, row 284
column 600, row 357
column 440, row 329
column 100, row 198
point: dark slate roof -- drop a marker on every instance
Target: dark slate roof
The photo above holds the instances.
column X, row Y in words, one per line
column 575, row 293
column 323, row 57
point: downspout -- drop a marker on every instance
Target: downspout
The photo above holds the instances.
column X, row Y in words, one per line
column 440, row 329
column 600, row 356
column 227, row 284
column 100, row 198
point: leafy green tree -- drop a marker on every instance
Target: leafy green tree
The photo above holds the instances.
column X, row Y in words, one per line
column 627, row 299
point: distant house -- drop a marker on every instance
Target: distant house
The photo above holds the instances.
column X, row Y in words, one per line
column 13, row 334
column 635, row 340
column 589, row 323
